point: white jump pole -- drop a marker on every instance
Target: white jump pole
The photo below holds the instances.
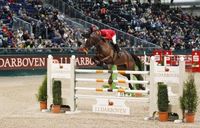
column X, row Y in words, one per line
column 115, row 81
column 112, row 71
column 49, row 81
column 145, row 59
column 72, row 101
column 141, row 99
column 112, row 90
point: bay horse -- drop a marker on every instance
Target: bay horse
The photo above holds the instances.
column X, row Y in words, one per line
column 105, row 54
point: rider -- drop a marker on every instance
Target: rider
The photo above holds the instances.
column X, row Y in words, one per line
column 107, row 34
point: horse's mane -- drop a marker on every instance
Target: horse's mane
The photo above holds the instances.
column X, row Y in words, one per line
column 95, row 38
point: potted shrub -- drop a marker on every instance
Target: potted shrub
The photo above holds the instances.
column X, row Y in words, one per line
column 182, row 105
column 57, row 99
column 189, row 100
column 163, row 101
column 42, row 94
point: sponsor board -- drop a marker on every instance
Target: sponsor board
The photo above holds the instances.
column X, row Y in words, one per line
column 39, row 62
column 18, row 62
column 111, row 106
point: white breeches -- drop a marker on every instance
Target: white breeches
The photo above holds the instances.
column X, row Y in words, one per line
column 114, row 39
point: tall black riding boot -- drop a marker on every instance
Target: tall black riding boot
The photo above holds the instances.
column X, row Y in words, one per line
column 117, row 49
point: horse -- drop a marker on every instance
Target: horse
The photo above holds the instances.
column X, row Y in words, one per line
column 105, row 54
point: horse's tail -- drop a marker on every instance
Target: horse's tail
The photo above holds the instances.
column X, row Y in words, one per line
column 137, row 61
column 139, row 76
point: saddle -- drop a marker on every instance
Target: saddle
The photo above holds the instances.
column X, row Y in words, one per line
column 114, row 46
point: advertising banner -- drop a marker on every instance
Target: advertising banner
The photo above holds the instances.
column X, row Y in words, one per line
column 195, row 61
column 39, row 62
column 158, row 55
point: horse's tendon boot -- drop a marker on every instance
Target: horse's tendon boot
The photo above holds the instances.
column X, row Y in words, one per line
column 116, row 49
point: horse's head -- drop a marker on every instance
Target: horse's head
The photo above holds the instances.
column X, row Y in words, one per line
column 92, row 40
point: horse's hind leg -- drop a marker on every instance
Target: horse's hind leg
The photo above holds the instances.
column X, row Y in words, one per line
column 110, row 81
column 96, row 61
column 139, row 86
column 135, row 86
column 129, row 84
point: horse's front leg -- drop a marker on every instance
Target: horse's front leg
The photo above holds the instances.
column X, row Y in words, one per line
column 106, row 59
column 96, row 61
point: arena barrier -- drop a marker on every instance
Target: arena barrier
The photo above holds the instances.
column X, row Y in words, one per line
column 171, row 75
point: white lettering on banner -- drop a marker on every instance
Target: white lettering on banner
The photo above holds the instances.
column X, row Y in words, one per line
column 19, row 60
column 31, row 62
column 25, row 64
column 13, row 61
column 8, row 63
column 63, row 60
column 39, row 62
column 196, row 58
column 87, row 60
column 157, row 57
column 1, row 62
column 22, row 62
column 84, row 61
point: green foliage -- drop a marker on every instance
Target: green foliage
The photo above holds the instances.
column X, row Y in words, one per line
column 163, row 101
column 189, row 100
column 42, row 91
column 57, row 93
column 106, row 86
column 162, row 61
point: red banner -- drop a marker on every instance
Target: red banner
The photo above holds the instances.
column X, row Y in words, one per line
column 195, row 61
column 167, row 54
column 158, row 55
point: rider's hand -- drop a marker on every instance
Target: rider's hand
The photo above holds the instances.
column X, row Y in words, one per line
column 80, row 49
column 83, row 50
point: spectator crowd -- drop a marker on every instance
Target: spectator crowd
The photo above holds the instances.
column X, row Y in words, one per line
column 53, row 31
column 170, row 28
